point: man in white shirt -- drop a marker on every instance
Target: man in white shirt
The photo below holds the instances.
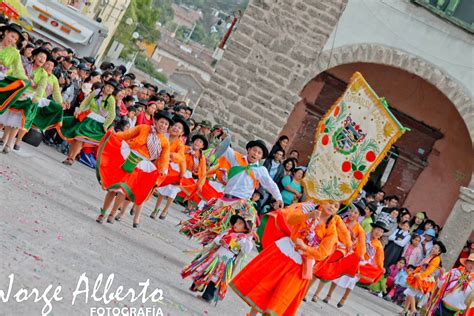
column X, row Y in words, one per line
column 246, row 172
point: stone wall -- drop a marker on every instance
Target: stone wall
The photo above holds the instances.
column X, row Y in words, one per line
column 266, row 65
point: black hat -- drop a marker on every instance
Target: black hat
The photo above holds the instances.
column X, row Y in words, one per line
column 105, row 65
column 372, row 206
column 248, row 223
column 442, row 247
column 360, row 205
column 179, row 119
column 258, row 143
column 380, row 224
column 40, row 50
column 89, row 59
column 164, row 114
column 203, row 138
column 12, row 27
column 113, row 83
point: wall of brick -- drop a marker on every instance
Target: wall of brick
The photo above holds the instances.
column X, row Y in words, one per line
column 265, row 66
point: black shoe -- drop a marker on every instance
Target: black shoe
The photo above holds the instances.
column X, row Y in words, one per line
column 16, row 147
column 117, row 218
column 110, row 219
column 132, row 211
column 135, row 225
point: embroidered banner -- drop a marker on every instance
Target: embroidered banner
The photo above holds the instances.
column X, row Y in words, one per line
column 352, row 138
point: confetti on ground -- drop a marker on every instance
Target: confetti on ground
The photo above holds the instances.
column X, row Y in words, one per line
column 37, row 258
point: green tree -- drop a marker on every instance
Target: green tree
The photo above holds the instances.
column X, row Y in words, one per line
column 144, row 15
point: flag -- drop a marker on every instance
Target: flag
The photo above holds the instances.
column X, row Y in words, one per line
column 352, row 138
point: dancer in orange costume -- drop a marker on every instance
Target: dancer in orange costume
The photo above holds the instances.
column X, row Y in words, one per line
column 421, row 281
column 195, row 176
column 452, row 296
column 275, row 282
column 348, row 264
column 132, row 163
column 177, row 169
column 370, row 267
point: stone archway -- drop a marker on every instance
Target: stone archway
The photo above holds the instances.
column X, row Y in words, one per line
column 375, row 53
column 460, row 223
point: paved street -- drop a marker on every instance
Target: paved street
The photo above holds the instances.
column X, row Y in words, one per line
column 49, row 236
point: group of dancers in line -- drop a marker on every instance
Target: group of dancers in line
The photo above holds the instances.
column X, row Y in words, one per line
column 297, row 244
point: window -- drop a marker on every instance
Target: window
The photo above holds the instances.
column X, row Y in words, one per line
column 459, row 12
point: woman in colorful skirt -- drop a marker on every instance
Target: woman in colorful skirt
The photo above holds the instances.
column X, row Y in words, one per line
column 370, row 267
column 245, row 175
column 195, row 176
column 19, row 108
column 275, row 282
column 51, row 114
column 96, row 114
column 453, row 290
column 344, row 261
column 422, row 281
column 214, row 266
column 177, row 169
column 132, row 163
column 37, row 91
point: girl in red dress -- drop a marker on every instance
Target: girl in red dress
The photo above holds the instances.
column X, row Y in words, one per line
column 349, row 259
column 132, row 163
column 276, row 280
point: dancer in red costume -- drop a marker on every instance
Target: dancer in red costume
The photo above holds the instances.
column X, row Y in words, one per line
column 177, row 169
column 422, row 281
column 195, row 176
column 275, row 282
column 370, row 267
column 132, row 163
column 344, row 261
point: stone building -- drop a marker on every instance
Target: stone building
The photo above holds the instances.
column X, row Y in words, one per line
column 289, row 61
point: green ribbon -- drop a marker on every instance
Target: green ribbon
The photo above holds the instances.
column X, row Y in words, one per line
column 131, row 162
column 235, row 170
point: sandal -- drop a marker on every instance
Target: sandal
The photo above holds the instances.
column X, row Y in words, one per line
column 153, row 214
column 163, row 215
column 341, row 303
column 16, row 147
column 68, row 162
column 118, row 218
column 315, row 299
column 327, row 299
column 6, row 149
column 100, row 218
column 135, row 225
column 110, row 219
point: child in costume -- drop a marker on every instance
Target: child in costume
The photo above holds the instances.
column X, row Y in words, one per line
column 453, row 290
column 421, row 281
column 19, row 115
column 370, row 268
column 195, row 176
column 244, row 176
column 13, row 79
column 344, row 261
column 95, row 115
column 213, row 268
column 177, row 169
column 276, row 280
column 51, row 114
column 132, row 163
